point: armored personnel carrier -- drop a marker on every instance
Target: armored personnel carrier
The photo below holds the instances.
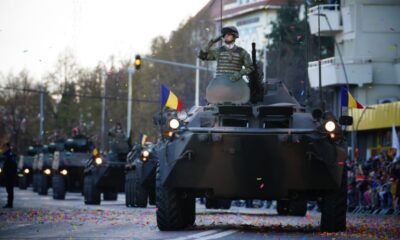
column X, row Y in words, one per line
column 25, row 171
column 140, row 175
column 44, row 172
column 104, row 173
column 68, row 166
column 261, row 145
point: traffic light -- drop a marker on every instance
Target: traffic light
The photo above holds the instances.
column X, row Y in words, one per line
column 138, row 62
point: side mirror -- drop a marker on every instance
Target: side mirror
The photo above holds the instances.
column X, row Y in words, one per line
column 346, row 120
column 317, row 114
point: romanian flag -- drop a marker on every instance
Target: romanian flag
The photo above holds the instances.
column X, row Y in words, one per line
column 347, row 100
column 169, row 99
column 143, row 138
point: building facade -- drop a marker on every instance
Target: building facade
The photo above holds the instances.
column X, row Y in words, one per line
column 367, row 59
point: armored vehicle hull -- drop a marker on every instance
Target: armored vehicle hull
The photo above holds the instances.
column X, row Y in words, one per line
column 273, row 150
column 141, row 176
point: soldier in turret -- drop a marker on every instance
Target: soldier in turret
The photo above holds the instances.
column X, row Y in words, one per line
column 233, row 62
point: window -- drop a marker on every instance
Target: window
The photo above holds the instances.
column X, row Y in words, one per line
column 247, row 21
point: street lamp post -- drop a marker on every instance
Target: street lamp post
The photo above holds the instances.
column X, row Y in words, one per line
column 129, row 114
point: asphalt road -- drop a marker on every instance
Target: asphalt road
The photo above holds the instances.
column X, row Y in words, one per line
column 41, row 217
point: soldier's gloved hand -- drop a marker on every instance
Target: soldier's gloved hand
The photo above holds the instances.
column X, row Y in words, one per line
column 236, row 76
column 216, row 39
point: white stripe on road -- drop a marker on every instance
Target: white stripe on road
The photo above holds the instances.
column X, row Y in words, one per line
column 218, row 235
column 197, row 235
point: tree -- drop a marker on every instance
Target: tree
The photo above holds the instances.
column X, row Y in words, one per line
column 287, row 52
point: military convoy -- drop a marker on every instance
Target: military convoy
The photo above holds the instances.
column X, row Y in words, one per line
column 104, row 173
column 68, row 166
column 140, row 168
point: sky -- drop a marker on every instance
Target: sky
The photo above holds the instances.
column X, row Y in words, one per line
column 34, row 32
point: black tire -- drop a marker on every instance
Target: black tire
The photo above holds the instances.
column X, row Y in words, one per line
column 58, row 183
column 35, row 181
column 298, row 208
column 23, row 182
column 212, row 203
column 224, row 204
column 110, row 196
column 170, row 210
column 189, row 211
column 292, row 207
column 282, row 207
column 90, row 191
column 334, row 208
column 152, row 196
column 42, row 184
column 129, row 181
column 140, row 195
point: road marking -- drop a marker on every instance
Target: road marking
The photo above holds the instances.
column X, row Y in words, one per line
column 218, row 235
column 197, row 235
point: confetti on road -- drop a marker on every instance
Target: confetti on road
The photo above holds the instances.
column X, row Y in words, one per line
column 358, row 226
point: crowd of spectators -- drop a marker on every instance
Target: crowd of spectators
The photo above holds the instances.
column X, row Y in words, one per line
column 373, row 184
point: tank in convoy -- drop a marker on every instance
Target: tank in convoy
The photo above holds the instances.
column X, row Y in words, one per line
column 104, row 172
column 68, row 166
column 254, row 147
column 140, row 175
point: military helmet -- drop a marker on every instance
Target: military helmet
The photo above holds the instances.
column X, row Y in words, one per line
column 230, row 29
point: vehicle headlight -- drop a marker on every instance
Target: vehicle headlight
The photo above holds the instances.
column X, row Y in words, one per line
column 47, row 171
column 145, row 153
column 0, row 170
column 174, row 123
column 330, row 126
column 64, row 172
column 26, row 171
column 98, row 161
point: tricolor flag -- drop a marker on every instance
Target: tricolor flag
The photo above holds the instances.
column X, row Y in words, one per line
column 347, row 100
column 169, row 99
column 143, row 139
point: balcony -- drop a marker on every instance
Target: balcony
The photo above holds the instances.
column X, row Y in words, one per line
column 358, row 71
column 330, row 22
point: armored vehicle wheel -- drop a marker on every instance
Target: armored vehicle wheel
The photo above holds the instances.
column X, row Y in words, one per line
column 58, row 187
column 90, row 191
column 170, row 213
column 292, row 207
column 333, row 208
column 23, row 182
column 35, row 181
column 129, row 182
column 110, row 196
column 140, row 194
column 282, row 207
column 189, row 211
column 152, row 197
column 42, row 184
column 298, row 208
column 212, row 203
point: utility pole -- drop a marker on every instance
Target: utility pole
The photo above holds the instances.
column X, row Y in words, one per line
column 196, row 103
column 129, row 115
column 319, row 60
column 41, row 115
column 103, row 112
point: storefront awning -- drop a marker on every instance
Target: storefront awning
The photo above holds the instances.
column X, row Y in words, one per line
column 376, row 116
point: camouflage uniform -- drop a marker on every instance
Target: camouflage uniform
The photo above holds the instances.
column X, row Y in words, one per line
column 228, row 85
